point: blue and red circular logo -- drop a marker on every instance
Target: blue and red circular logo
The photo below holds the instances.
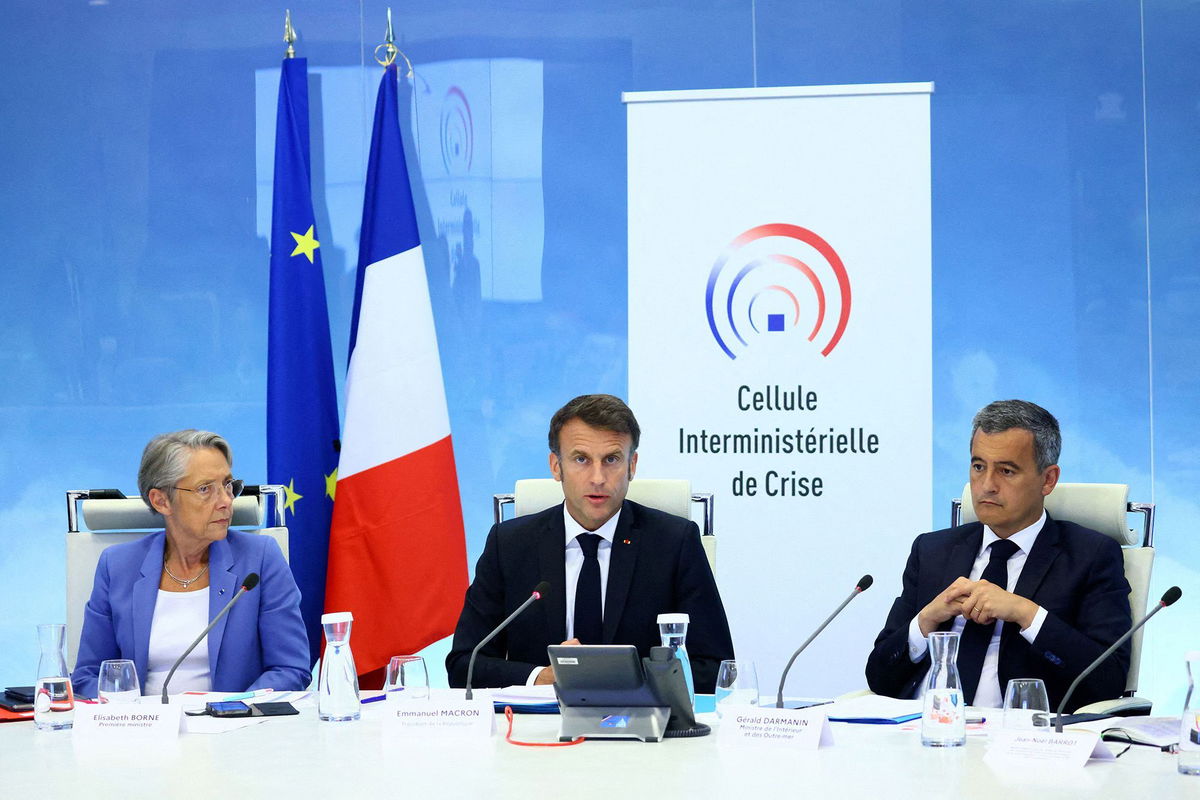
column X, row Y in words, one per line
column 457, row 131
column 775, row 279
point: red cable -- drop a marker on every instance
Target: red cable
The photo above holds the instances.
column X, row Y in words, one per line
column 508, row 715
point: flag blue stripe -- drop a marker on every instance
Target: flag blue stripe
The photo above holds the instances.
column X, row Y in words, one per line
column 389, row 222
column 302, row 418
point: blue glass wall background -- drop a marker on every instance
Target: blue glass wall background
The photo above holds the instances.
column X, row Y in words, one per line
column 136, row 281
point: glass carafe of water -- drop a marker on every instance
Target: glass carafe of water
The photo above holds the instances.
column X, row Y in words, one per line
column 672, row 630
column 944, row 720
column 1189, row 723
column 337, row 688
column 53, row 701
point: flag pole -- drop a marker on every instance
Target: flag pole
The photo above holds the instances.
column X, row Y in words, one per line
column 289, row 35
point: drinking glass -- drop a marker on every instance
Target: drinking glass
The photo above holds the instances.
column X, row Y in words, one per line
column 407, row 679
column 1026, row 705
column 737, row 685
column 118, row 681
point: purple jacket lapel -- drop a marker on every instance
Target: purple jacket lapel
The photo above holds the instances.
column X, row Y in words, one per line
column 222, row 583
column 143, row 600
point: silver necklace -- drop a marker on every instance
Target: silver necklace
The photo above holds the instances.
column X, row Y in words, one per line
column 181, row 581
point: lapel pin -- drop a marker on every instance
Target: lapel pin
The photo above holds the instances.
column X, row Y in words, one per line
column 626, row 541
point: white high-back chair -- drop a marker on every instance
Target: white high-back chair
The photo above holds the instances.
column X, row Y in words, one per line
column 673, row 496
column 1103, row 507
column 111, row 518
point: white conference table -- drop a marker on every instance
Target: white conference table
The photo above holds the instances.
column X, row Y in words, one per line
column 299, row 756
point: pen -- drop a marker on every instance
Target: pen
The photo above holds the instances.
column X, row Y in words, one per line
column 247, row 695
column 374, row 699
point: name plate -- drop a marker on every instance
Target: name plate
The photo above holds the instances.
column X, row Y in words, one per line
column 802, row 729
column 440, row 718
column 1016, row 748
column 121, row 721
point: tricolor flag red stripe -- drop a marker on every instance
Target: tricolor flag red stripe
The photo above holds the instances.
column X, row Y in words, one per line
column 397, row 554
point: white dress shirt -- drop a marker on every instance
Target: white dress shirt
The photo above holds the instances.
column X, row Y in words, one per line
column 573, row 558
column 989, row 694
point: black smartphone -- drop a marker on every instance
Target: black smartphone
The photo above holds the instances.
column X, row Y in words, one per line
column 273, row 709
column 228, row 708
column 21, row 694
column 16, row 706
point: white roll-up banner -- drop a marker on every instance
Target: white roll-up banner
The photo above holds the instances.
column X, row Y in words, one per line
column 780, row 348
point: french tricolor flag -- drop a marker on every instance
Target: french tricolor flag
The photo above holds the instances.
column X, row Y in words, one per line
column 397, row 554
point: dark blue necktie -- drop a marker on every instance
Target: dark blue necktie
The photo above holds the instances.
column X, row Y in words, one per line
column 589, row 614
column 975, row 637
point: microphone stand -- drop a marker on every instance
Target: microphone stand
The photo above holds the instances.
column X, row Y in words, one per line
column 537, row 595
column 1058, row 719
column 250, row 582
column 862, row 586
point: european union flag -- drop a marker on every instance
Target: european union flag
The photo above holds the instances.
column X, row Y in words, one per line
column 302, row 416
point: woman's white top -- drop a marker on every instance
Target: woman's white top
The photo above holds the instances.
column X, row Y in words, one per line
column 178, row 619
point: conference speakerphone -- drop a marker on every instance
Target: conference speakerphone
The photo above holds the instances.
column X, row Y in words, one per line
column 607, row 692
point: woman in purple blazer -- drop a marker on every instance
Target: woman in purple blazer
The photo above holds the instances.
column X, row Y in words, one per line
column 152, row 597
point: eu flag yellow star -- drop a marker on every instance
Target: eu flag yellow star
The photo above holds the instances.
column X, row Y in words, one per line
column 305, row 243
column 331, row 483
column 291, row 496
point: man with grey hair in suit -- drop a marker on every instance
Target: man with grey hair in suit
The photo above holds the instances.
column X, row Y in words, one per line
column 1031, row 596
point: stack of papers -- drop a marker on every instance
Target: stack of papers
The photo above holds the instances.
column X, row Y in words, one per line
column 873, row 709
column 526, row 699
column 1153, row 731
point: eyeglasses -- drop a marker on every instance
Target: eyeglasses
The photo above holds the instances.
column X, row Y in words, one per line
column 207, row 492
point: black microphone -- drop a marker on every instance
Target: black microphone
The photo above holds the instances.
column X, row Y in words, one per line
column 1169, row 597
column 248, row 584
column 538, row 593
column 864, row 583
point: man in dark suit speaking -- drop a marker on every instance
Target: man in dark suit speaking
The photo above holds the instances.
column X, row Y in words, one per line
column 1033, row 597
column 613, row 565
